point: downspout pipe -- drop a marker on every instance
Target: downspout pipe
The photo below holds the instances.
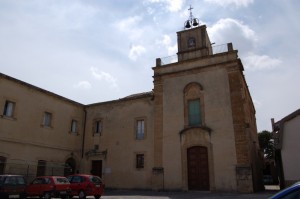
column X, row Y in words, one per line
column 83, row 136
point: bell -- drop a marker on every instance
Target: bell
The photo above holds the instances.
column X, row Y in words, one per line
column 187, row 24
column 195, row 22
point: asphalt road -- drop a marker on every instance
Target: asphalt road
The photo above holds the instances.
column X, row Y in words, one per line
column 137, row 194
column 123, row 194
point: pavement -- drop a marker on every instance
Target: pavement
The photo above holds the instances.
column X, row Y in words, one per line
column 144, row 194
column 136, row 194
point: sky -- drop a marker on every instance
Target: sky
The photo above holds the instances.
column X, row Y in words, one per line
column 94, row 51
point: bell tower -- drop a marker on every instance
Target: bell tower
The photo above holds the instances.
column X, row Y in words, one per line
column 193, row 41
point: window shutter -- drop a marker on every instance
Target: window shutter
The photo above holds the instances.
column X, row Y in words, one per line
column 194, row 112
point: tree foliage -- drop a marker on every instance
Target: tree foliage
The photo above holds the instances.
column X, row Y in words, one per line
column 266, row 143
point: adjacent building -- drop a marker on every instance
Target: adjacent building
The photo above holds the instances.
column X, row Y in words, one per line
column 286, row 143
column 196, row 130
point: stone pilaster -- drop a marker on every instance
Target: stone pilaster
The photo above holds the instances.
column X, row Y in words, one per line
column 243, row 165
column 158, row 170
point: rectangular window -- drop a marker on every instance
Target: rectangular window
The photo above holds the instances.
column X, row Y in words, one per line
column 98, row 127
column 139, row 161
column 74, row 126
column 47, row 119
column 9, row 109
column 194, row 112
column 41, row 168
column 140, row 129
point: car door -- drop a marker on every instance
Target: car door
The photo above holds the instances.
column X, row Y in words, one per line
column 20, row 184
column 33, row 189
column 75, row 184
column 46, row 185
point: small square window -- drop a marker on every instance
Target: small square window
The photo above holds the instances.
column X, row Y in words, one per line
column 139, row 161
column 9, row 109
column 74, row 126
column 47, row 119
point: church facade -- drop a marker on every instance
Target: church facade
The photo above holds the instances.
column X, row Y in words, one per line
column 196, row 130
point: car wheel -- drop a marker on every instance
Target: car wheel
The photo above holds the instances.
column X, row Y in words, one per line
column 97, row 197
column 47, row 195
column 4, row 196
column 82, row 195
column 23, row 196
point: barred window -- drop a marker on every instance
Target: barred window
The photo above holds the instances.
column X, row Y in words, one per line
column 139, row 161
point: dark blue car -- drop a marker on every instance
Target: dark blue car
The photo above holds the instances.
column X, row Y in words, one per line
column 292, row 192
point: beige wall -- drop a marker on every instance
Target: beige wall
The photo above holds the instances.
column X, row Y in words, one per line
column 118, row 138
column 220, row 142
column 23, row 137
column 289, row 152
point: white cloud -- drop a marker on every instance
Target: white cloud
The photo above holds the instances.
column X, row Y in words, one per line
column 166, row 42
column 231, row 30
column 260, row 62
column 172, row 50
column 128, row 23
column 83, row 85
column 130, row 26
column 175, row 5
column 237, row 3
column 257, row 103
column 100, row 75
column 231, row 25
column 136, row 51
column 172, row 5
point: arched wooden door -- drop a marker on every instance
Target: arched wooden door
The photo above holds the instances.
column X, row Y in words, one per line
column 198, row 172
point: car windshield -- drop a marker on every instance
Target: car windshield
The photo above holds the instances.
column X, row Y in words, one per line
column 12, row 180
column 95, row 179
column 61, row 181
column 20, row 180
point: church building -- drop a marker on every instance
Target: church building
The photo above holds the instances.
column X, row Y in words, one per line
column 196, row 130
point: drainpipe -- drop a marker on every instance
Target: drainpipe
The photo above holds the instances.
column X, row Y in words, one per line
column 83, row 136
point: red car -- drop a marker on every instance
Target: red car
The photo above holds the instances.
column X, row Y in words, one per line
column 49, row 186
column 83, row 185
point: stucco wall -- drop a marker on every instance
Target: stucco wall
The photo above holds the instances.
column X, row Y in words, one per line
column 118, row 138
column 23, row 137
column 217, row 117
column 290, row 149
